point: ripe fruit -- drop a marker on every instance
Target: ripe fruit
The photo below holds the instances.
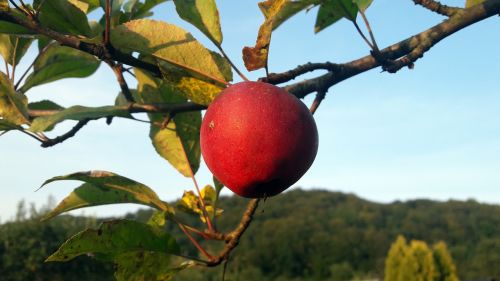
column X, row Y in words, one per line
column 257, row 139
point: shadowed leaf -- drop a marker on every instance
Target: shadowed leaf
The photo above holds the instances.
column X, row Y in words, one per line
column 64, row 16
column 58, row 62
column 146, row 266
column 332, row 11
column 44, row 105
column 4, row 5
column 203, row 14
column 115, row 238
column 47, row 123
column 13, row 106
column 181, row 136
column 103, row 188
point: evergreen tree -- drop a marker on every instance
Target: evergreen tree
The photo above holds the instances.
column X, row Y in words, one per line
column 445, row 267
column 394, row 258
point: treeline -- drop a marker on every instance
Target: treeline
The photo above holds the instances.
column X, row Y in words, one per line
column 300, row 235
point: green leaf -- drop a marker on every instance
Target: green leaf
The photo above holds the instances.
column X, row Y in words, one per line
column 332, row 11
column 181, row 136
column 46, row 123
column 7, row 126
column 13, row 105
column 291, row 8
column 362, row 4
column 470, row 3
column 114, row 238
column 13, row 47
column 103, row 188
column 15, row 29
column 58, row 62
column 44, row 105
column 146, row 266
column 203, row 14
column 144, row 9
column 218, row 186
column 63, row 16
column 198, row 73
column 256, row 57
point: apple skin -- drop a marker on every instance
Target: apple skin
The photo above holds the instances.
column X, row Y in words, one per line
column 257, row 139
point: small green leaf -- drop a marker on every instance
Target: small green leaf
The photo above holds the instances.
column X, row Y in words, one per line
column 114, row 238
column 203, row 14
column 218, row 185
column 47, row 123
column 158, row 219
column 332, row 11
column 58, row 62
column 103, row 188
column 146, row 266
column 144, row 9
column 13, row 105
column 470, row 3
column 13, row 47
column 181, row 136
column 256, row 57
column 180, row 56
column 362, row 4
column 63, row 16
column 44, row 105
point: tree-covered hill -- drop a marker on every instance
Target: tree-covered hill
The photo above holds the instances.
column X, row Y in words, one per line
column 299, row 235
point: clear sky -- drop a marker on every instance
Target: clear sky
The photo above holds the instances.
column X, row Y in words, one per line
column 431, row 132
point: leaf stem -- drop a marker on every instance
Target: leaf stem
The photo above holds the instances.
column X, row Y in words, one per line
column 14, row 59
column 195, row 243
column 231, row 63
column 368, row 27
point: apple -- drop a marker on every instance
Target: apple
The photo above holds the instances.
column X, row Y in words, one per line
column 258, row 139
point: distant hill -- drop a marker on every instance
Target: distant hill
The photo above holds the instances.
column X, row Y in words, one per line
column 299, row 235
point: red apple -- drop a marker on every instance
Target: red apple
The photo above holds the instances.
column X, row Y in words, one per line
column 257, row 139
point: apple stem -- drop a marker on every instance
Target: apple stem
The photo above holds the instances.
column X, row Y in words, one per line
column 320, row 95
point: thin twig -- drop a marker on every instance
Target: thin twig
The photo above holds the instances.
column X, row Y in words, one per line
column 118, row 70
column 195, row 243
column 69, row 134
column 362, row 34
column 368, row 27
column 107, row 29
column 320, row 95
column 14, row 59
column 278, row 78
column 231, row 63
column 6, row 68
column 31, row 66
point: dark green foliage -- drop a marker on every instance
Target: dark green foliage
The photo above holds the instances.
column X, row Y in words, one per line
column 313, row 235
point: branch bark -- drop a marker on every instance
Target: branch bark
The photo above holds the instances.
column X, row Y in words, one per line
column 403, row 53
column 437, row 7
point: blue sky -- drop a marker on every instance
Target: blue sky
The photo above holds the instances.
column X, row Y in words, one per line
column 431, row 132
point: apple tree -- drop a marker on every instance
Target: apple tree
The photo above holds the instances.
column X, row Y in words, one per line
column 177, row 78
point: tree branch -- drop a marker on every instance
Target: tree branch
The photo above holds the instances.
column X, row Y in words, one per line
column 69, row 134
column 403, row 53
column 437, row 7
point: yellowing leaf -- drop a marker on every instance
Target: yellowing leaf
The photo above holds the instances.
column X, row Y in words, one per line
column 256, row 57
column 185, row 63
column 203, row 14
column 4, row 5
column 13, row 105
column 470, row 3
column 179, row 141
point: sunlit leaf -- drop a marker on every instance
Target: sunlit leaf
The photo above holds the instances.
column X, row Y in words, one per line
column 13, row 47
column 58, row 62
column 291, row 8
column 13, row 105
column 332, row 11
column 46, row 123
column 115, row 238
column 470, row 3
column 178, row 138
column 183, row 58
column 82, row 5
column 190, row 203
column 103, row 188
column 203, row 14
column 256, row 57
column 4, row 5
column 63, row 16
